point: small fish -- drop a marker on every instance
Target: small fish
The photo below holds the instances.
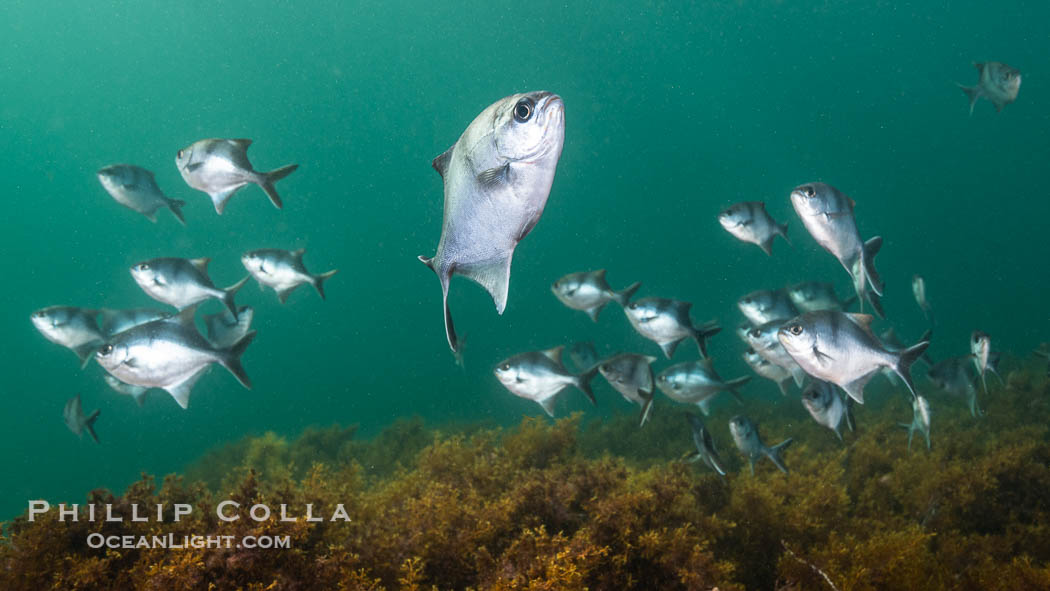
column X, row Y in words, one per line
column 497, row 177
column 135, row 188
column 73, row 414
column 667, row 323
column 745, row 435
column 540, row 375
column 826, row 407
column 583, row 355
column 766, row 305
column 828, row 216
column 705, row 445
column 283, row 270
column 138, row 393
column 955, row 376
column 169, row 354
column 630, row 374
column 74, row 328
column 918, row 289
column 182, row 282
column 749, row 222
column 220, row 167
column 840, row 348
column 980, row 348
column 116, row 321
column 997, row 82
column 920, row 420
column 224, row 330
column 588, row 292
column 811, row 296
column 763, row 341
column 769, row 370
column 696, row 382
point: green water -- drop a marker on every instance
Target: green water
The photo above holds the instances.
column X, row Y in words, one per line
column 672, row 114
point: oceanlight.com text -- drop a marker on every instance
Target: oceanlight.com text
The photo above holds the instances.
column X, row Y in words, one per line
column 171, row 541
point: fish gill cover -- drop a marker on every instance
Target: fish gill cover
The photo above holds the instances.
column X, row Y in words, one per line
column 841, row 126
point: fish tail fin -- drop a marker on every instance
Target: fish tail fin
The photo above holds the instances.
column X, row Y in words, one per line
column 624, row 297
column 318, row 281
column 443, row 277
column 176, row 205
column 732, row 385
column 871, row 248
column 231, row 360
column 851, row 422
column 229, row 293
column 927, row 336
column 783, row 385
column 776, row 453
column 270, row 178
column 876, row 303
column 89, row 424
column 782, row 229
column 583, row 382
column 972, row 93
column 647, row 409
column 702, row 333
column 907, row 358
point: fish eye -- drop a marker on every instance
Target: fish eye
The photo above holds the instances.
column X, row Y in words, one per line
column 606, row 367
column 795, row 329
column 179, row 155
column 143, row 267
column 633, row 305
column 106, row 349
column 505, row 367
column 808, row 191
column 523, row 110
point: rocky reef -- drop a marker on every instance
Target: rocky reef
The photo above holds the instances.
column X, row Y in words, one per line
column 594, row 504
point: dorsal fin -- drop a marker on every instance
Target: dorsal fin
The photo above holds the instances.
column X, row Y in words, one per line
column 201, row 264
column 600, row 274
column 242, row 143
column 683, row 307
column 440, row 163
column 554, row 354
column 186, row 317
column 862, row 320
column 298, row 253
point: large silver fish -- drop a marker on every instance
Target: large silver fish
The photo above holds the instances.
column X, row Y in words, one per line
column 667, row 323
column 630, row 374
column 705, row 445
column 220, row 167
column 920, row 420
column 764, row 341
column 135, row 188
column 745, row 435
column 766, row 305
column 169, row 354
column 497, row 178
column 73, row 415
column 73, row 328
column 840, row 348
column 588, row 292
column 283, row 270
column 223, row 329
column 696, row 382
column 828, row 215
column 810, row 296
column 997, row 82
column 114, row 321
column 182, row 282
column 826, row 406
column 749, row 222
column 540, row 375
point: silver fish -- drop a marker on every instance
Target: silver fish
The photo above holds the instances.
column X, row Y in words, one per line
column 828, row 215
column 826, row 407
column 220, row 167
column 997, row 82
column 705, row 445
column 749, row 222
column 920, row 420
column 745, row 435
column 73, row 415
column 980, row 349
column 224, row 330
column 540, row 375
column 135, row 188
column 696, row 382
column 667, row 323
column 182, row 282
column 840, row 348
column 769, row 370
column 918, row 289
column 283, row 270
column 766, row 305
column 955, row 376
column 114, row 321
column 630, row 374
column 497, row 178
column 169, row 354
column 763, row 341
column 588, row 292
column 138, row 393
column 74, row 328
column 810, row 296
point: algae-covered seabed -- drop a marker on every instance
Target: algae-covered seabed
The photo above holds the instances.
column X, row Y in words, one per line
column 672, row 113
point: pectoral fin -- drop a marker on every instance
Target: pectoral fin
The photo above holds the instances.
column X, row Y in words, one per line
column 495, row 177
